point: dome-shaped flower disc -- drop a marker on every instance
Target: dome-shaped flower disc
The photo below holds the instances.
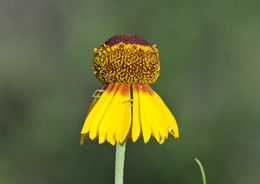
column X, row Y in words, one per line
column 126, row 58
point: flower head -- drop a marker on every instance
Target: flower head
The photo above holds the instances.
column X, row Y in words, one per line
column 126, row 58
column 126, row 107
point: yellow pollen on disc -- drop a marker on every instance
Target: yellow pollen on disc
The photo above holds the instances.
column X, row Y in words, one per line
column 126, row 63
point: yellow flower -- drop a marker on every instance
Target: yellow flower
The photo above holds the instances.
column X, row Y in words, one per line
column 126, row 107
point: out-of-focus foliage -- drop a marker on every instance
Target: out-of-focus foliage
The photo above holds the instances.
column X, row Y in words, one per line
column 209, row 52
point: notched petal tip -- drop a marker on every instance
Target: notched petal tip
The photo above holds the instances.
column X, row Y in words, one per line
column 175, row 134
column 161, row 142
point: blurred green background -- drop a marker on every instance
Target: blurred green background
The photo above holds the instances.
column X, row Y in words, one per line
column 209, row 52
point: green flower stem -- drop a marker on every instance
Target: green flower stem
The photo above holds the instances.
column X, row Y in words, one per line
column 119, row 166
column 202, row 170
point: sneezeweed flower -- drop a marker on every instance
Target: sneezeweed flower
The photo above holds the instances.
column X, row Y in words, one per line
column 126, row 107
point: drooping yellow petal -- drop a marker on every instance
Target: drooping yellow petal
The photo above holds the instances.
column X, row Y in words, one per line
column 121, row 121
column 152, row 115
column 98, row 110
column 107, row 119
column 169, row 118
column 93, row 132
column 112, row 118
column 159, row 123
column 116, row 121
column 122, row 129
column 144, row 114
column 136, row 128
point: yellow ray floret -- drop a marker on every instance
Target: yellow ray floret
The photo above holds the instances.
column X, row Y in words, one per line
column 136, row 126
column 156, row 118
column 126, row 112
column 110, row 118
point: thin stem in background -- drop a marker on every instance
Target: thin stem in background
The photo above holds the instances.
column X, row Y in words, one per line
column 202, row 170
